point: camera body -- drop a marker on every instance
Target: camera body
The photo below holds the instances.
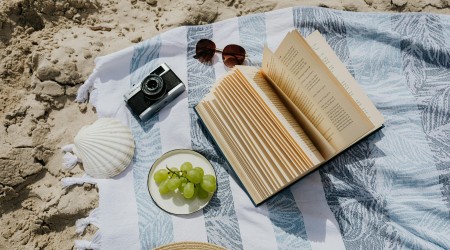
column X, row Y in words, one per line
column 157, row 89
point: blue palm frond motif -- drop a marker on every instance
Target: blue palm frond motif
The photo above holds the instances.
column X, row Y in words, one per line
column 430, row 88
column 287, row 221
column 435, row 121
column 252, row 34
column 351, row 184
column 424, row 53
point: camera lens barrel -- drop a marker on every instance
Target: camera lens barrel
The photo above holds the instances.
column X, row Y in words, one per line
column 153, row 87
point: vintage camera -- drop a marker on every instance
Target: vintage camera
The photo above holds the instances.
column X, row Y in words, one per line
column 156, row 90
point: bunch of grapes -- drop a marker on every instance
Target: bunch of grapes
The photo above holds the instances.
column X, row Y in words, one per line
column 188, row 180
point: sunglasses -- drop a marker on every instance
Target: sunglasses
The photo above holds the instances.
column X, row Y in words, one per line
column 232, row 54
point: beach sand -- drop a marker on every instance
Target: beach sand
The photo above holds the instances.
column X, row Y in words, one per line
column 47, row 50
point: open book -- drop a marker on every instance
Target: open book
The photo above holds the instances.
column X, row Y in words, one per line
column 278, row 123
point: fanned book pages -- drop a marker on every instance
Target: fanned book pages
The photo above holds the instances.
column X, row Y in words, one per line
column 278, row 123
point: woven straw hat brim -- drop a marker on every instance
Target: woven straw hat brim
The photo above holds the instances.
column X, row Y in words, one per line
column 190, row 245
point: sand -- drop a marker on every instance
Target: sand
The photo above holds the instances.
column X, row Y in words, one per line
column 47, row 50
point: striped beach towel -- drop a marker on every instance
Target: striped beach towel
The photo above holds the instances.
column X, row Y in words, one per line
column 391, row 190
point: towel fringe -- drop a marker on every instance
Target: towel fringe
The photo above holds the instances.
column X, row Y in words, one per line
column 93, row 218
column 67, row 148
column 88, row 85
column 69, row 181
column 93, row 244
column 70, row 160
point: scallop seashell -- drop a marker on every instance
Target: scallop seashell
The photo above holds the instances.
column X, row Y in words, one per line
column 105, row 148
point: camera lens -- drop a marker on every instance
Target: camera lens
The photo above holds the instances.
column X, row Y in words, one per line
column 153, row 87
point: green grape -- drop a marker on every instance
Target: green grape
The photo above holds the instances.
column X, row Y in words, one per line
column 210, row 178
column 186, row 166
column 160, row 175
column 202, row 194
column 174, row 169
column 183, row 183
column 208, row 184
column 200, row 170
column 173, row 183
column 189, row 190
column 194, row 176
column 181, row 187
column 163, row 188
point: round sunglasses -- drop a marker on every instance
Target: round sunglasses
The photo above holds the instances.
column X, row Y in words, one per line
column 232, row 54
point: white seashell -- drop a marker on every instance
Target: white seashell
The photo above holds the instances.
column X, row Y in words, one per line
column 105, row 148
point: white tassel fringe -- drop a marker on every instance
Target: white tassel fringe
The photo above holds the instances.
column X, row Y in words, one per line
column 70, row 161
column 88, row 85
column 69, row 181
column 81, row 224
column 85, row 244
column 67, row 148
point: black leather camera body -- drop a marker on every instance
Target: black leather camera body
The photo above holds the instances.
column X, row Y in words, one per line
column 157, row 89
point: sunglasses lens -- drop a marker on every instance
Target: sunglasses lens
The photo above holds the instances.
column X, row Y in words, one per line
column 233, row 55
column 204, row 50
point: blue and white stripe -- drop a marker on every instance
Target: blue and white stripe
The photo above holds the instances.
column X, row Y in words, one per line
column 220, row 216
column 155, row 226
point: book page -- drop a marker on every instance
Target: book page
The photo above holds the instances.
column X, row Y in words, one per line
column 265, row 91
column 308, row 83
column 326, row 150
column 248, row 148
column 331, row 60
column 240, row 166
column 258, row 133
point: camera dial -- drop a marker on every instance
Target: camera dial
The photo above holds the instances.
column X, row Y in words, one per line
column 153, row 87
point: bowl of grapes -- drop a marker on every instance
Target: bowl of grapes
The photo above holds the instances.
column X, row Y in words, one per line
column 182, row 181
